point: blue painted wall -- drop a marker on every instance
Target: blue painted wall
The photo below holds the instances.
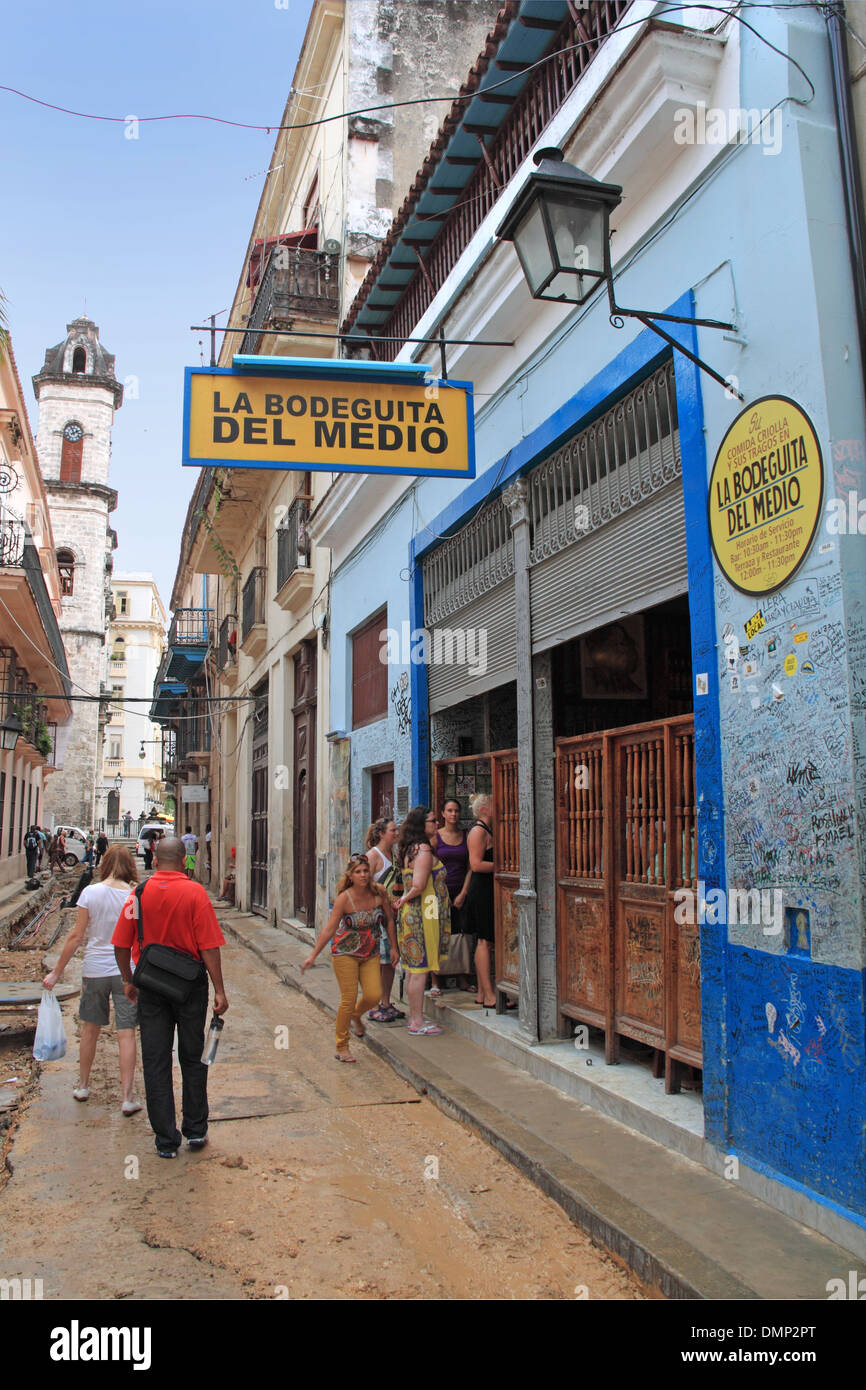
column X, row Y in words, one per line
column 764, row 238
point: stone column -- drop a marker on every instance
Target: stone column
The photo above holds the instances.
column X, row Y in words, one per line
column 516, row 499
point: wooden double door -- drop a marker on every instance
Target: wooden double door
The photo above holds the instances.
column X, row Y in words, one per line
column 626, row 842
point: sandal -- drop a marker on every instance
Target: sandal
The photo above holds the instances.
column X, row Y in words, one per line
column 430, row 1029
column 392, row 1014
column 380, row 1015
column 343, row 1055
column 434, row 992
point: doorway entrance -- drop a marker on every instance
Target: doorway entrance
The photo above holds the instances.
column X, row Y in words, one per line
column 304, row 793
column 382, row 792
column 259, row 805
column 626, row 841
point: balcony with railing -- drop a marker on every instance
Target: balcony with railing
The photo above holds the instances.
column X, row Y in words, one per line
column 297, row 284
column 253, row 627
column 12, row 536
column 438, row 219
column 188, row 639
column 294, row 574
column 227, row 648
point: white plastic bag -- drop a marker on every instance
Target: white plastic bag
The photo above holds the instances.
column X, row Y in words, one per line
column 50, row 1042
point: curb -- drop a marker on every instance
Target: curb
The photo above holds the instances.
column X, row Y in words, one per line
column 651, row 1251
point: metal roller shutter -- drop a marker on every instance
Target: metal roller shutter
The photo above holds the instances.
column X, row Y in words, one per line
column 634, row 562
column 492, row 614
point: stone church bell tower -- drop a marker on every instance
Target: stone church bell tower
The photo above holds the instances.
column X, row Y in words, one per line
column 78, row 394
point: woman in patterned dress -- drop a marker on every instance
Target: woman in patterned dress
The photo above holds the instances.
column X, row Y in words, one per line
column 361, row 913
column 424, row 912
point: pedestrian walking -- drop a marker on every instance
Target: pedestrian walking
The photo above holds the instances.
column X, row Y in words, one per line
column 173, row 911
column 31, row 850
column 44, row 841
column 360, row 915
column 90, row 847
column 208, row 841
column 101, row 847
column 380, row 841
column 56, row 853
column 424, row 911
column 479, row 899
column 190, row 844
column 98, row 908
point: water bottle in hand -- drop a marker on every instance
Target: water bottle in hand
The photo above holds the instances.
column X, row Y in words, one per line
column 212, row 1041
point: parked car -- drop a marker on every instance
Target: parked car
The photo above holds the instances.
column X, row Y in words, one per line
column 76, row 844
column 147, row 830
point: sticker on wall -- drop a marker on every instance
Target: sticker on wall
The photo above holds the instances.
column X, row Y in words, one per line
column 772, row 646
column 801, row 637
column 702, row 684
column 765, row 495
column 790, row 664
column 754, row 625
column 735, row 685
column 750, row 668
column 808, row 668
column 778, row 692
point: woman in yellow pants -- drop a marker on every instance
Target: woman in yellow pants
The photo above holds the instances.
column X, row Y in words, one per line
column 361, row 912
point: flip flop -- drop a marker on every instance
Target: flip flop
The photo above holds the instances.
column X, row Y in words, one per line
column 343, row 1057
column 430, row 1029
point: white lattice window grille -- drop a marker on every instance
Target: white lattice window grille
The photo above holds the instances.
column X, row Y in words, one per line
column 623, row 457
column 476, row 560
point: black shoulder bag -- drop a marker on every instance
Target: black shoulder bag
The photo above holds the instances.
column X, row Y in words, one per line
column 162, row 969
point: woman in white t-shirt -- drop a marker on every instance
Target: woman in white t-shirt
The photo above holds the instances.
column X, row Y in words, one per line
column 99, row 907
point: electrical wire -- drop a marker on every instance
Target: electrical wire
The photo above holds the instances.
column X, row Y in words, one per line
column 420, row 101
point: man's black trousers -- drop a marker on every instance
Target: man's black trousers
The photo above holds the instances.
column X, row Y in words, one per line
column 157, row 1019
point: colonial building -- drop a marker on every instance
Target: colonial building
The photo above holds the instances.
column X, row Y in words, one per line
column 327, row 201
column 78, row 395
column 133, row 744
column 666, row 737
column 34, row 679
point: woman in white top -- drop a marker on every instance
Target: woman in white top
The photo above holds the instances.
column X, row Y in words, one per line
column 380, row 842
column 99, row 907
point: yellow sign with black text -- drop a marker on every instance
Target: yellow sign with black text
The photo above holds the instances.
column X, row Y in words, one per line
column 766, row 491
column 333, row 423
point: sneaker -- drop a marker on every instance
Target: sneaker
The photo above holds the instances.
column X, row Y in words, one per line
column 197, row 1143
column 130, row 1107
column 166, row 1153
column 81, row 1093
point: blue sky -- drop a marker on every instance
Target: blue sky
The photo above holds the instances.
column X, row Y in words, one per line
column 151, row 231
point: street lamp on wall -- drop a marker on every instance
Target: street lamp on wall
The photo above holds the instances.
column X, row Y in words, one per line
column 10, row 730
column 118, row 783
column 560, row 226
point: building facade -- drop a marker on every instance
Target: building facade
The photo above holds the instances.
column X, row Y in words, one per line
column 35, row 711
column 132, row 749
column 663, row 747
column 327, row 202
column 78, row 394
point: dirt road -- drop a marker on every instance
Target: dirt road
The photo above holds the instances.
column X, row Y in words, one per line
column 321, row 1181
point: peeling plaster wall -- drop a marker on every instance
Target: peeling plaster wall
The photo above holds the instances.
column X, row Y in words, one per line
column 386, row 148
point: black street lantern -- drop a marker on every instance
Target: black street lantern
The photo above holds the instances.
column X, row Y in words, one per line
column 118, row 783
column 10, row 730
column 560, row 226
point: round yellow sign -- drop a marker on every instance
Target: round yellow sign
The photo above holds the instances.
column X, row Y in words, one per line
column 766, row 491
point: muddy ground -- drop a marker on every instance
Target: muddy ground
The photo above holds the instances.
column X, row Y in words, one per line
column 321, row 1181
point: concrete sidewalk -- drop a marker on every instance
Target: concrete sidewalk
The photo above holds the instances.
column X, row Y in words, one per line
column 682, row 1228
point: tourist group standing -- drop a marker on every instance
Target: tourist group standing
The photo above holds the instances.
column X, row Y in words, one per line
column 420, row 897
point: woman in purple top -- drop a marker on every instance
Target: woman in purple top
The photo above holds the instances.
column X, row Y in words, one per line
column 451, row 848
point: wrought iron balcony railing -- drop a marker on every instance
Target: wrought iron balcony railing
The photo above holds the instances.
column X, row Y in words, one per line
column 227, row 649
column 190, row 627
column 293, row 545
column 297, row 283
column 12, row 535
column 253, row 601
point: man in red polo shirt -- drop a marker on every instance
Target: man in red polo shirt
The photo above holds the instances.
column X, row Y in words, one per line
column 175, row 911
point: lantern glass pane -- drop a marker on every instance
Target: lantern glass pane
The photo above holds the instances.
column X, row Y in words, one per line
column 531, row 245
column 578, row 233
